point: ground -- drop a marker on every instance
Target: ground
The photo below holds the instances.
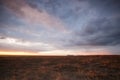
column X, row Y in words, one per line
column 60, row 67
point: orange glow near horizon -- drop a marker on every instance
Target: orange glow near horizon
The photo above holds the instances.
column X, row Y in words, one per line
column 53, row 53
column 17, row 53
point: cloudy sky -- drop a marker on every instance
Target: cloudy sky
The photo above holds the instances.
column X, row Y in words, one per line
column 59, row 27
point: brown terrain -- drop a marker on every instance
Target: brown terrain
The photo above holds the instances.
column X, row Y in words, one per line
column 60, row 67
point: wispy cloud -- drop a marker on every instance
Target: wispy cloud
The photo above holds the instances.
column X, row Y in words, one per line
column 33, row 15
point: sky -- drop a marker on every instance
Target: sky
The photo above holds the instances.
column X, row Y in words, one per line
column 59, row 27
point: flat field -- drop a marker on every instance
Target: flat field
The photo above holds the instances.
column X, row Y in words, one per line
column 60, row 67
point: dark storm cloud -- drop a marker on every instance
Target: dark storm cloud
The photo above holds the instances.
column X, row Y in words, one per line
column 106, row 7
column 101, row 32
column 106, row 4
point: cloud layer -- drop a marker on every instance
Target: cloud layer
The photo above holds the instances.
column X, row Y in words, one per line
column 33, row 15
column 60, row 26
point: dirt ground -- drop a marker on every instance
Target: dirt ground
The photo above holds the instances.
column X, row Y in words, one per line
column 60, row 67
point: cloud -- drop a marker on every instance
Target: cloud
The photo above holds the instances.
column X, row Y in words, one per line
column 2, row 37
column 100, row 34
column 103, row 32
column 8, row 43
column 93, row 26
column 33, row 15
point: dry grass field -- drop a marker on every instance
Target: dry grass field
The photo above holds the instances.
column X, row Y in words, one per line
column 60, row 68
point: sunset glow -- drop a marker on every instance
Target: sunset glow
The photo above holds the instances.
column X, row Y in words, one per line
column 51, row 53
column 16, row 53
